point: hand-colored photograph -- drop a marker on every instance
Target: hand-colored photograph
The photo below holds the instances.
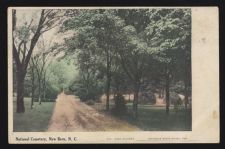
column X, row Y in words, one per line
column 94, row 70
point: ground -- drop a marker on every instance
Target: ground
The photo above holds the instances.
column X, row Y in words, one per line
column 72, row 115
column 33, row 120
column 69, row 114
column 155, row 119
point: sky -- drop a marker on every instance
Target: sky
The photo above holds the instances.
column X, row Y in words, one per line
column 52, row 36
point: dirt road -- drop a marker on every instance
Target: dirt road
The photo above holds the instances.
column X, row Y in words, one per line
column 72, row 115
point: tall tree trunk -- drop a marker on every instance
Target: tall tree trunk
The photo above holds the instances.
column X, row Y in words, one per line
column 32, row 92
column 22, row 64
column 167, row 92
column 20, row 92
column 117, row 92
column 108, row 81
column 186, row 83
column 87, row 92
column 39, row 91
column 163, row 92
column 135, row 100
column 44, row 89
column 107, row 92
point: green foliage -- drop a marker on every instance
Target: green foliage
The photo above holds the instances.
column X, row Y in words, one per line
column 122, row 51
column 90, row 102
column 86, row 90
column 169, row 37
column 139, row 43
column 174, row 97
column 23, row 33
column 60, row 75
column 177, row 87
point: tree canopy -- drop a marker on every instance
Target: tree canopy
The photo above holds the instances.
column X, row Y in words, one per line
column 108, row 51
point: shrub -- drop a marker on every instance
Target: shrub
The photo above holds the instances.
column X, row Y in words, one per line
column 90, row 102
column 174, row 98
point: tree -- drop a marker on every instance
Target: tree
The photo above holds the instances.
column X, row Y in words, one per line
column 40, row 62
column 108, row 26
column 33, row 83
column 132, row 49
column 134, row 61
column 144, row 44
column 60, row 75
column 103, row 27
column 168, row 37
column 87, row 65
column 24, row 40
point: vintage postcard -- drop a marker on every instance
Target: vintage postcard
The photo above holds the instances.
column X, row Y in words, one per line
column 113, row 75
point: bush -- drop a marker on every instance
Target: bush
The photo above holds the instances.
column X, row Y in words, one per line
column 90, row 102
column 177, row 87
column 92, row 93
column 174, row 97
column 147, row 98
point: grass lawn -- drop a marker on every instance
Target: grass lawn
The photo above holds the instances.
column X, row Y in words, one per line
column 33, row 120
column 151, row 118
column 155, row 119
